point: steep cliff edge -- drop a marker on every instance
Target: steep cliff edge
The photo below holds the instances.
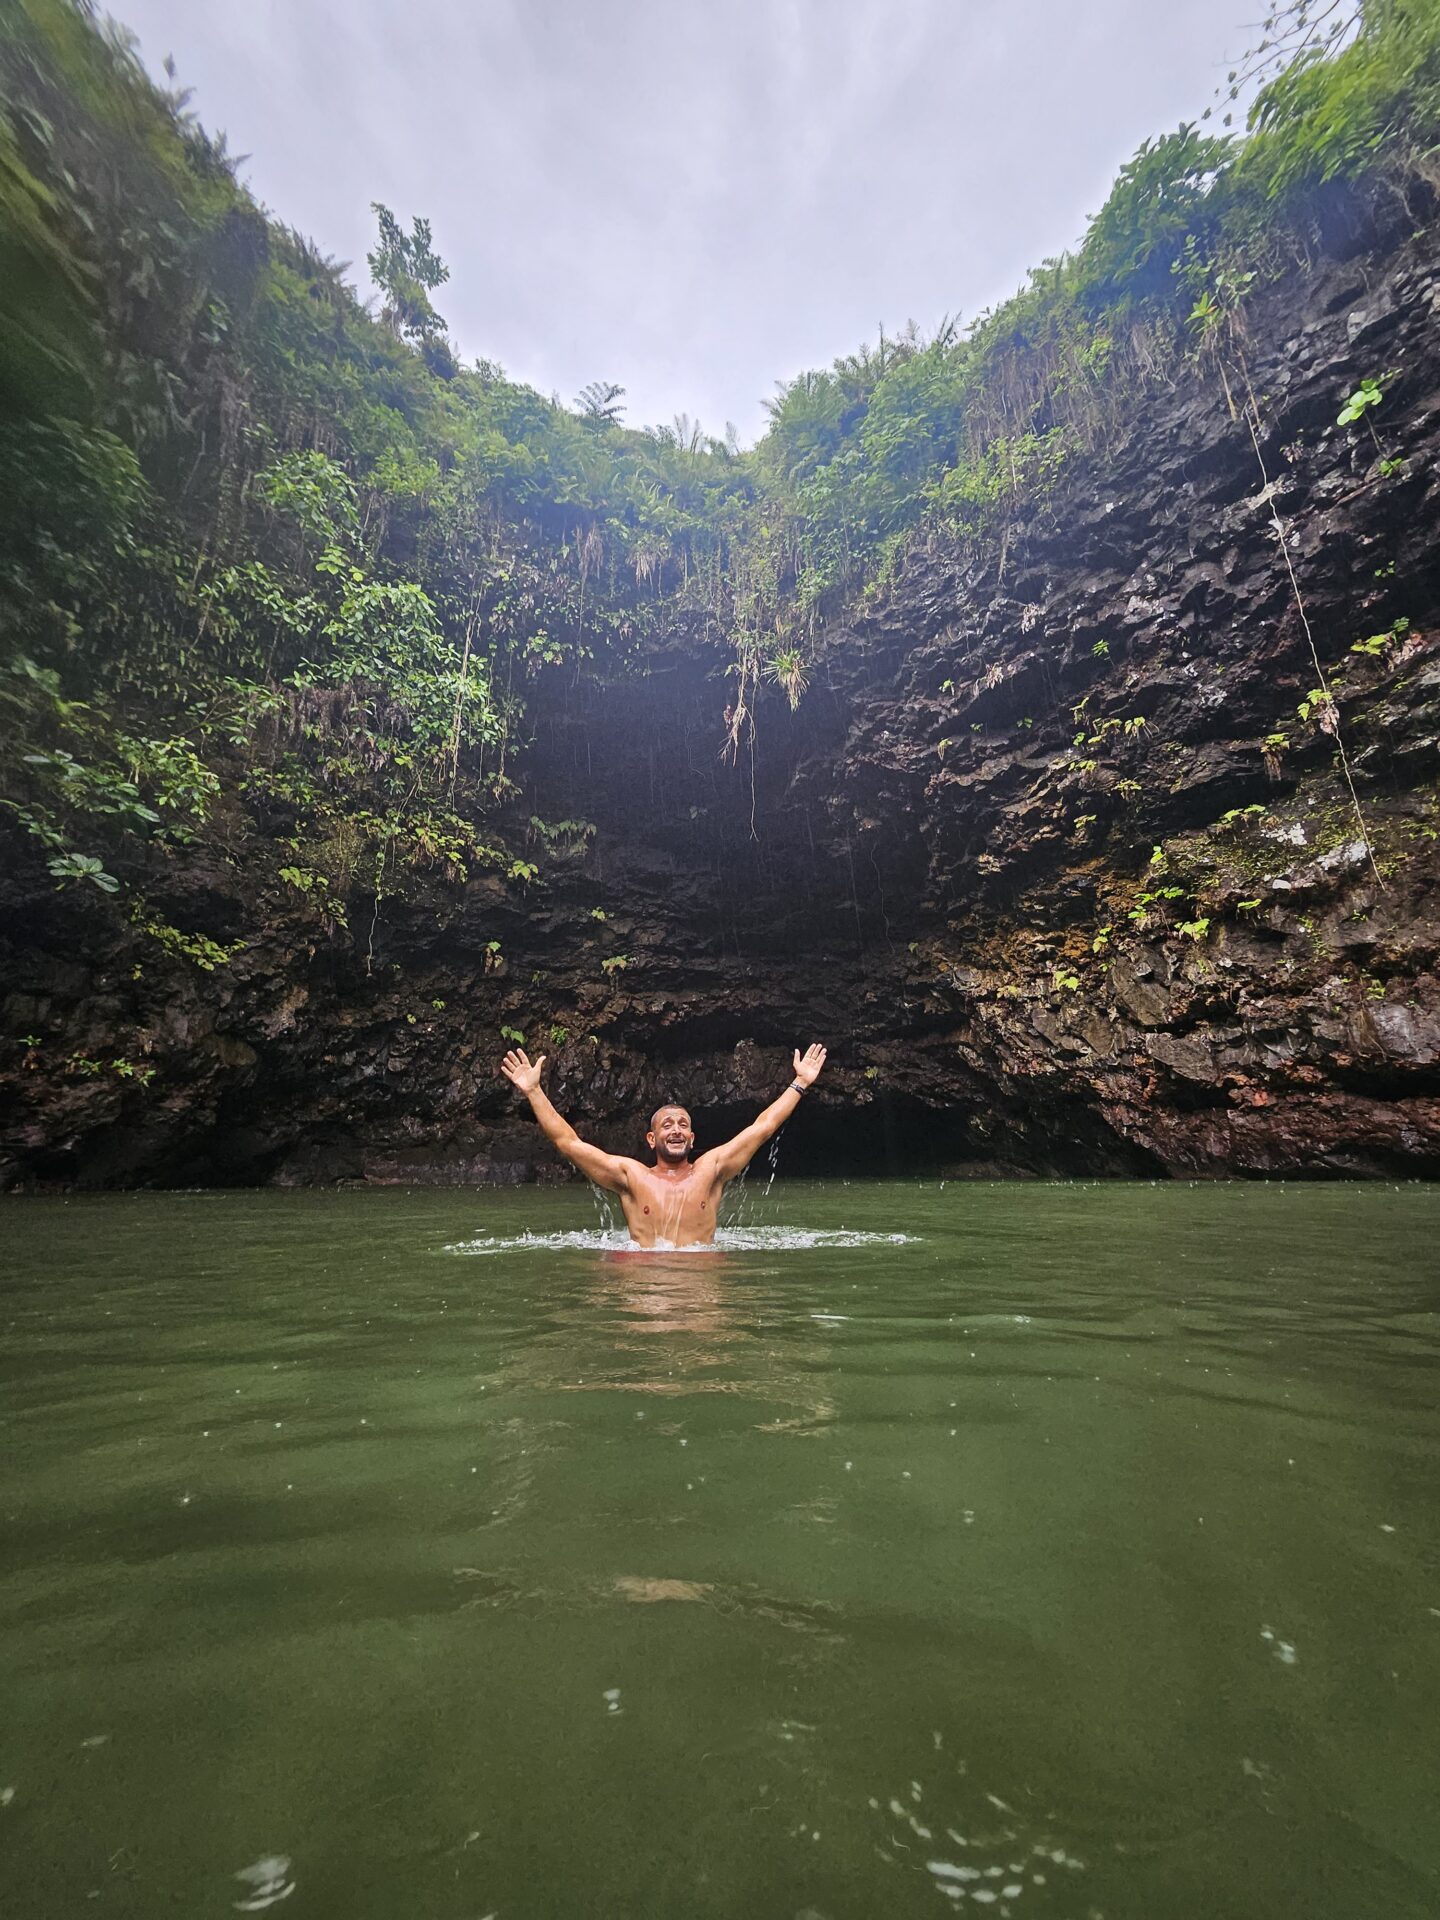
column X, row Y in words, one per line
column 1047, row 854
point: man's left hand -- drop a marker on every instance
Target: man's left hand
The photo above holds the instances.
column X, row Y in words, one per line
column 807, row 1070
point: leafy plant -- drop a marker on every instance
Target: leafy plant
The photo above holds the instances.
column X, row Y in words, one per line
column 787, row 668
column 1366, row 396
column 83, row 866
column 563, row 837
column 1376, row 644
column 198, row 948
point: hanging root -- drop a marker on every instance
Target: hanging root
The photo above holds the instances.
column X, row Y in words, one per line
column 1331, row 718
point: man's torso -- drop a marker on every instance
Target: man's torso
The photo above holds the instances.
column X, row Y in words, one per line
column 680, row 1211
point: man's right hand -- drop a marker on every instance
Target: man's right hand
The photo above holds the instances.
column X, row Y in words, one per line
column 518, row 1071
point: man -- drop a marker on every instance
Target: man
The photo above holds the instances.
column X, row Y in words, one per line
column 677, row 1199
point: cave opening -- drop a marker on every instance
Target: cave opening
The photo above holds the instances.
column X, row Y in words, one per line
column 898, row 1136
column 892, row 1136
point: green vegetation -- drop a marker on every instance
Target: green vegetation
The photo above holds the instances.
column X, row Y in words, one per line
column 1368, row 394
column 281, row 573
column 1377, row 644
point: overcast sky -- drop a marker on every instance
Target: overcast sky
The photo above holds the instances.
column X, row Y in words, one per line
column 694, row 198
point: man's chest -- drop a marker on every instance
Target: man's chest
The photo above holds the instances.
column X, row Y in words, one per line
column 686, row 1198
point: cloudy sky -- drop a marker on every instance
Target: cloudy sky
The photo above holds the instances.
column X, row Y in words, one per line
column 694, row 198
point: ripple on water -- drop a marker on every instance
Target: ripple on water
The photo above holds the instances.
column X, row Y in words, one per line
column 975, row 1846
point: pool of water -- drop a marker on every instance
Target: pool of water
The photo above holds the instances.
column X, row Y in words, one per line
column 1021, row 1550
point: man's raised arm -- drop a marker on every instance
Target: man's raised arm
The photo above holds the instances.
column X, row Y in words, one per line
column 737, row 1154
column 607, row 1170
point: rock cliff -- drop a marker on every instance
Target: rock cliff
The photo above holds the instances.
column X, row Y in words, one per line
column 1048, row 854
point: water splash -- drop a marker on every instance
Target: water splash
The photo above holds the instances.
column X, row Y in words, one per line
column 727, row 1240
column 607, row 1212
column 268, row 1880
column 774, row 1159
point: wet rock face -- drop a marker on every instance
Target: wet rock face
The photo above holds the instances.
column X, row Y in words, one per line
column 1048, row 856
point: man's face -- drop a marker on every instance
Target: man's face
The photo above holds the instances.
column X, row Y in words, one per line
column 670, row 1136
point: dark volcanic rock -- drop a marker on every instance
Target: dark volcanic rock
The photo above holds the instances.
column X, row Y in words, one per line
column 1047, row 856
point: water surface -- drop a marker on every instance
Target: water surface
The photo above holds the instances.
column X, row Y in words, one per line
column 1074, row 1554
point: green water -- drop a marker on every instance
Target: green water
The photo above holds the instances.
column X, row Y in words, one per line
column 1078, row 1556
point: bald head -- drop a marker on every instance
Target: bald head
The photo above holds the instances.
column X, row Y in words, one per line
column 655, row 1117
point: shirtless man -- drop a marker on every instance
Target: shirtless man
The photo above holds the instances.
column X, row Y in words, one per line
column 678, row 1198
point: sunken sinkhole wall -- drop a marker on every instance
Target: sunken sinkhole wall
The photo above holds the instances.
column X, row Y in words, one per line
column 1047, row 855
